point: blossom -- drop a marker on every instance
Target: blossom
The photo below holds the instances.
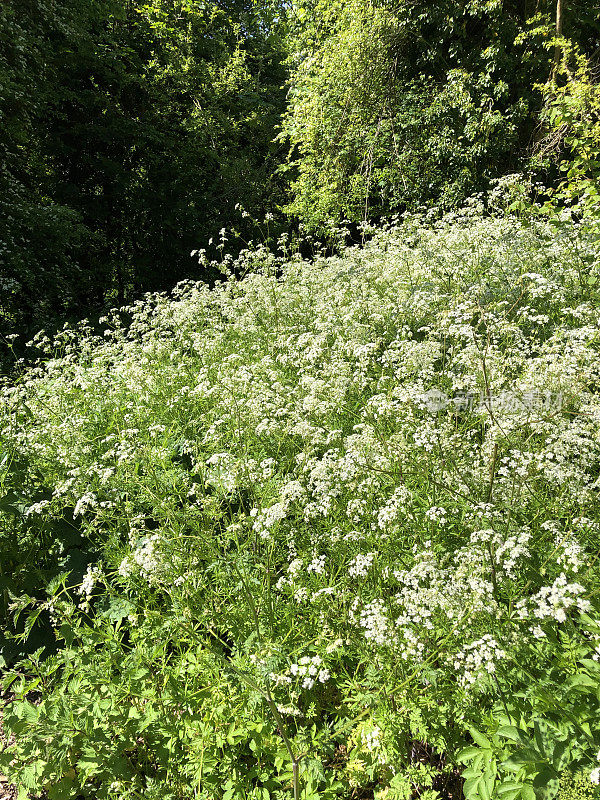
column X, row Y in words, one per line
column 280, row 425
column 309, row 669
column 360, row 564
column 553, row 602
column 478, row 657
column 89, row 580
column 317, row 565
column 85, row 502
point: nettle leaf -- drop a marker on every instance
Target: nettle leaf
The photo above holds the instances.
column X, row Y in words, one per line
column 11, row 503
column 65, row 789
column 590, row 664
column 314, row 768
column 90, row 762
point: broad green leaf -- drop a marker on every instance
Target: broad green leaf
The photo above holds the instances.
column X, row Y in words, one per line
column 527, row 793
column 480, row 739
column 471, row 788
column 468, row 754
column 510, row 732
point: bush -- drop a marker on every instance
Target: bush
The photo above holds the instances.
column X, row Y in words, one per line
column 571, row 116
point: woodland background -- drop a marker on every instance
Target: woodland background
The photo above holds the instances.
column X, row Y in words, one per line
column 132, row 131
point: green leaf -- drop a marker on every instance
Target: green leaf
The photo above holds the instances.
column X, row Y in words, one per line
column 63, row 790
column 527, row 793
column 471, row 788
column 510, row 732
column 487, row 784
column 29, row 775
column 480, row 739
column 117, row 609
column 89, row 763
column 468, row 754
column 509, row 786
column 548, row 780
column 561, row 755
column 527, row 755
column 509, row 794
column 581, row 680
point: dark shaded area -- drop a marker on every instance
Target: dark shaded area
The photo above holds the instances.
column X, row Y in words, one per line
column 128, row 133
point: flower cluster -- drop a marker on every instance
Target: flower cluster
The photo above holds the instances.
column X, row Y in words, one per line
column 309, row 669
column 555, row 601
column 145, row 559
column 287, row 456
column 476, row 658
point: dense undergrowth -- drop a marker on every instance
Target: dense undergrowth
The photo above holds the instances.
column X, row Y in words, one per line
column 330, row 529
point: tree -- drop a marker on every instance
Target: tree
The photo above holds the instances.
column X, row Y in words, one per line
column 131, row 130
column 397, row 104
column 571, row 119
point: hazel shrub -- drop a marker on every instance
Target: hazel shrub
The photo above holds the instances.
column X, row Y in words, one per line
column 362, row 491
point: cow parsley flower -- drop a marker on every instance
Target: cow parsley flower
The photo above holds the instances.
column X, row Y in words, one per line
column 359, row 566
column 478, row 657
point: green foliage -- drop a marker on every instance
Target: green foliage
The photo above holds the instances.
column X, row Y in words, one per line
column 145, row 714
column 44, row 549
column 541, row 730
column 571, row 116
column 398, row 105
column 131, row 129
column 129, row 132
column 337, row 515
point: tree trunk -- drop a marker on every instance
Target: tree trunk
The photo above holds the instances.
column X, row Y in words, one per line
column 559, row 29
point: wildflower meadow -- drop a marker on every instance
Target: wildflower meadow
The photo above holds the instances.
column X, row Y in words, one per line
column 328, row 528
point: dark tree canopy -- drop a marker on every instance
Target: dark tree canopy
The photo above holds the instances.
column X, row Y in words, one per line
column 129, row 132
